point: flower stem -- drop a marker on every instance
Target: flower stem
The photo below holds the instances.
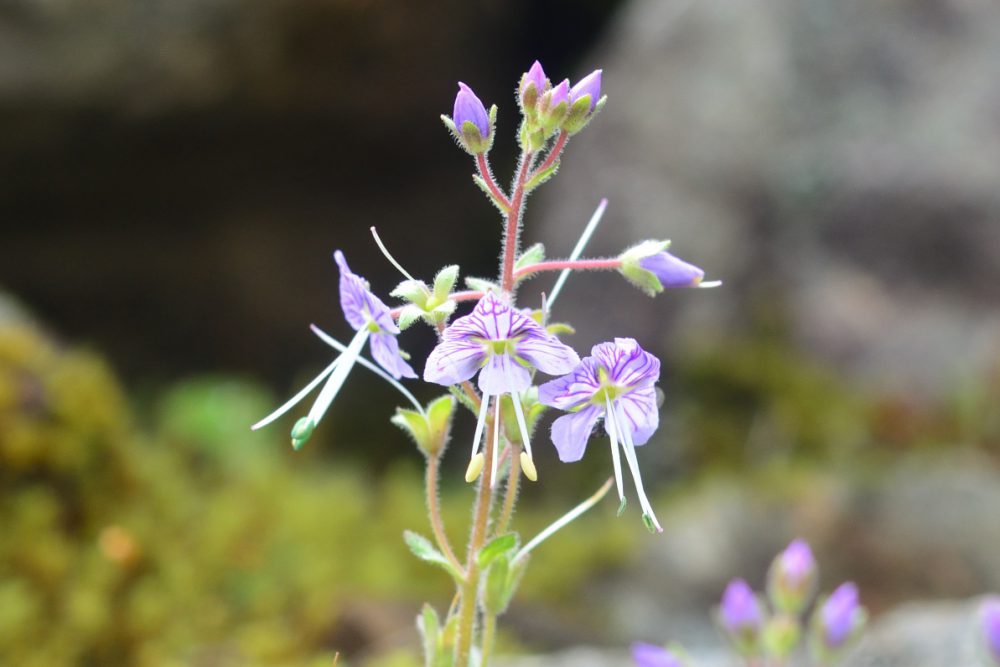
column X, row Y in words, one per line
column 553, row 155
column 477, row 538
column 434, row 512
column 487, row 176
column 489, row 637
column 510, row 497
column 573, row 265
column 512, row 227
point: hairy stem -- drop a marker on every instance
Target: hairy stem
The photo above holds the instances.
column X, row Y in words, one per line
column 575, row 265
column 553, row 155
column 487, row 175
column 510, row 497
column 512, row 228
column 489, row 637
column 434, row 511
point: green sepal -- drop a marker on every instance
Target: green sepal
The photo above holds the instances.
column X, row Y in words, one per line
column 532, row 255
column 481, row 284
column 414, row 291
column 450, row 124
column 781, row 635
column 408, row 315
column 495, row 548
column 439, row 414
column 457, row 392
column 542, row 176
column 422, row 548
column 444, row 281
column 580, row 114
column 429, row 626
column 495, row 589
column 633, row 271
column 560, row 329
column 415, row 425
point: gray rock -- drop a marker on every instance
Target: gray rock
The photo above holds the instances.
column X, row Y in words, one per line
column 836, row 160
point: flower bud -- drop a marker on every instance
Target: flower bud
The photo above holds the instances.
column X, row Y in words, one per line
column 837, row 623
column 533, row 84
column 585, row 102
column 470, row 123
column 672, row 271
column 553, row 106
column 652, row 269
column 792, row 578
column 741, row 617
column 990, row 615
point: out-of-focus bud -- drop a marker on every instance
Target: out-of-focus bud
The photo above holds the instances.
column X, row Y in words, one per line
column 793, row 576
column 533, row 84
column 585, row 102
column 470, row 123
column 741, row 617
column 781, row 636
column 553, row 107
column 990, row 615
column 652, row 269
column 839, row 621
column 648, row 655
column 430, row 429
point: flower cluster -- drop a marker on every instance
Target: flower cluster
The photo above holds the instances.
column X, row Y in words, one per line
column 504, row 347
column 766, row 631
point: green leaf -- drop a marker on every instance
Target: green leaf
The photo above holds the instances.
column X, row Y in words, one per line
column 478, row 180
column 532, row 255
column 408, row 316
column 444, row 281
column 542, row 176
column 495, row 597
column 430, row 631
column 559, row 329
column 415, row 425
column 414, row 291
column 495, row 548
column 481, row 284
column 439, row 414
column 425, row 551
column 457, row 392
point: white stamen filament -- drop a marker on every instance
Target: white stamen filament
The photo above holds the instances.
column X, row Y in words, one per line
column 615, row 458
column 337, row 345
column 522, row 424
column 388, row 256
column 708, row 284
column 588, row 231
column 633, row 464
column 484, row 405
column 288, row 405
column 337, row 377
column 496, row 443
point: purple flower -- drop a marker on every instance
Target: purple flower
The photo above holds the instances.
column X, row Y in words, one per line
column 364, row 310
column 501, row 344
column 991, row 626
column 588, row 85
column 533, row 83
column 616, row 384
column 672, row 271
column 839, row 616
column 371, row 319
column 792, row 577
column 740, row 613
column 648, row 655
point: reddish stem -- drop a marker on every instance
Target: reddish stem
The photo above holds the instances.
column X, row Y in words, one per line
column 576, row 265
column 487, row 176
column 513, row 227
column 553, row 154
column 467, row 295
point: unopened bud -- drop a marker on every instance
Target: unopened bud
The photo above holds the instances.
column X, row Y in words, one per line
column 792, row 578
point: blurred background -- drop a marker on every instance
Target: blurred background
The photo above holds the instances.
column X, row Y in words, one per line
column 174, row 175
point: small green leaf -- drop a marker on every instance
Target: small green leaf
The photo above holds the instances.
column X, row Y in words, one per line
column 457, row 392
column 478, row 180
column 560, row 329
column 532, row 255
column 430, row 631
column 415, row 425
column 414, row 291
column 439, row 414
column 425, row 551
column 496, row 547
column 495, row 597
column 408, row 316
column 481, row 284
column 444, row 281
column 542, row 176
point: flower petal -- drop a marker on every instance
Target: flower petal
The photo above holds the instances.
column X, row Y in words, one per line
column 453, row 361
column 572, row 389
column 358, row 302
column 640, row 412
column 647, row 655
column 385, row 350
column 547, row 353
column 503, row 375
column 571, row 432
column 627, row 364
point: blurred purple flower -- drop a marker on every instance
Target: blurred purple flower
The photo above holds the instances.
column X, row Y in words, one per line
column 615, row 383
column 839, row 615
column 792, row 578
column 648, row 655
column 991, row 626
column 740, row 612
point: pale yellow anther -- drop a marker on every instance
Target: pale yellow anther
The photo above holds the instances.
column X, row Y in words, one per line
column 528, row 467
column 475, row 468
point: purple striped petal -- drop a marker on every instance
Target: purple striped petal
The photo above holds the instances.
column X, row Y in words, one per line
column 571, row 432
column 503, row 375
column 358, row 302
column 385, row 350
column 453, row 361
column 573, row 389
column 547, row 353
column 627, row 364
column 640, row 412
